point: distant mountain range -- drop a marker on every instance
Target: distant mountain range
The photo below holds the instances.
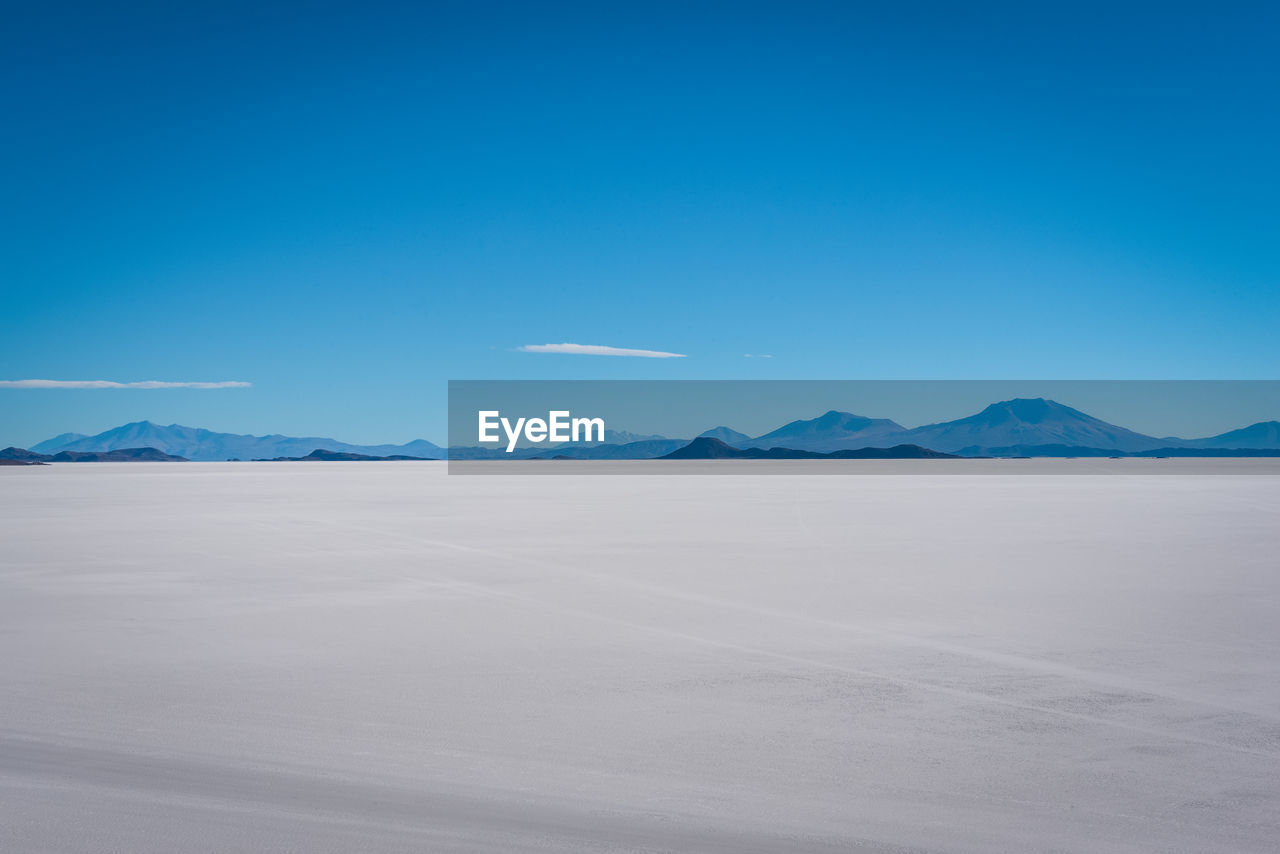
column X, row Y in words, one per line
column 195, row 443
column 1019, row 423
column 1018, row 427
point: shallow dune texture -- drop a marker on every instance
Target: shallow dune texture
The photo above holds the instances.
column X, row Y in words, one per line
column 378, row 657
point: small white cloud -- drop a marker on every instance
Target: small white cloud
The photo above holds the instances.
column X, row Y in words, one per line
column 110, row 384
column 757, row 355
column 597, row 350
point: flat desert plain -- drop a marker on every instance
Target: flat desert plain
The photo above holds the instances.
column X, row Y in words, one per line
column 380, row 657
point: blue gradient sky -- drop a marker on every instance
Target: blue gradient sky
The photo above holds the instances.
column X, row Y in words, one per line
column 348, row 204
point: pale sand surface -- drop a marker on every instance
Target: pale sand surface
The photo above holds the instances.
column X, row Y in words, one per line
column 352, row 657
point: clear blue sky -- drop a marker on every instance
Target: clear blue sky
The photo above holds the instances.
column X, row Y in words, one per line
column 348, row 204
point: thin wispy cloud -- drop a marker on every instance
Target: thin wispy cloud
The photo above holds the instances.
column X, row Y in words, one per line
column 597, row 350
column 110, row 384
column 757, row 355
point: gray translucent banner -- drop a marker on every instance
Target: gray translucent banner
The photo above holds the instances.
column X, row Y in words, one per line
column 864, row 427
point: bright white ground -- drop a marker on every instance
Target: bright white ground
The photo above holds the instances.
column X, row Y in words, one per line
column 378, row 657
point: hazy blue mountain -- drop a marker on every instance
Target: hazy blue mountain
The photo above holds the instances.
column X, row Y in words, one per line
column 831, row 431
column 195, row 443
column 57, row 443
column 1264, row 434
column 1026, row 422
column 621, row 437
column 419, row 448
column 625, row 437
column 726, row 435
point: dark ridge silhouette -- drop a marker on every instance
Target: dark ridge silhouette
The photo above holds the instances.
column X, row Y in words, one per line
column 1077, row 451
column 22, row 455
column 323, row 456
column 120, row 455
column 707, row 448
column 648, row 449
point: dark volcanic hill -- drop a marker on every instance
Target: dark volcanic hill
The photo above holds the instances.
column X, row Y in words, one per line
column 22, row 455
column 707, row 448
